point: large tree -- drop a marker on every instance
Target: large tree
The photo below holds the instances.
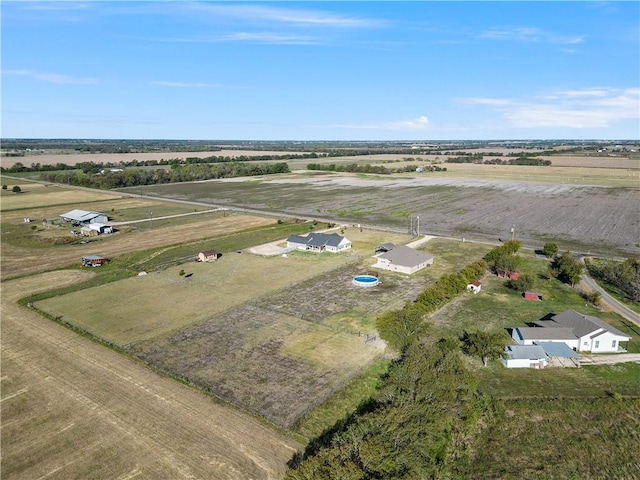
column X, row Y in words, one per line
column 550, row 249
column 486, row 345
column 568, row 268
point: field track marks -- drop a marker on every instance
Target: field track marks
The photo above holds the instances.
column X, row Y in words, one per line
column 74, row 409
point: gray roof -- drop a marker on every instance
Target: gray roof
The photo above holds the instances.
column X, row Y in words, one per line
column 554, row 333
column 317, row 239
column 558, row 349
column 531, row 352
column 580, row 324
column 406, row 256
column 386, row 247
column 81, row 215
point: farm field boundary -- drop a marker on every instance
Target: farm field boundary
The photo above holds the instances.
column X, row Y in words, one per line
column 111, row 417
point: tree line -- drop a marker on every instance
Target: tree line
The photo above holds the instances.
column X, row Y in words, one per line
column 623, row 275
column 177, row 173
column 478, row 158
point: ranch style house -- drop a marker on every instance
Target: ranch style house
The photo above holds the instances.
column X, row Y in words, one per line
column 319, row 242
column 402, row 259
column 581, row 333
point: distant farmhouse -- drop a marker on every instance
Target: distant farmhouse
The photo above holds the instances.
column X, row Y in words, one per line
column 84, row 217
column 400, row 258
column 319, row 242
column 581, row 333
column 208, row 256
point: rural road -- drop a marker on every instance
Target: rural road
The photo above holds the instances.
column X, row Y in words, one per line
column 607, row 300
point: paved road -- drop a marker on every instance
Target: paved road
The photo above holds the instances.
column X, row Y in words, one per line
column 607, row 300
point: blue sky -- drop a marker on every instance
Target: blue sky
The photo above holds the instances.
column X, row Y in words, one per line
column 320, row 70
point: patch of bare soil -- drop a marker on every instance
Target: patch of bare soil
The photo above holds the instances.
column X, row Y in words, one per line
column 74, row 409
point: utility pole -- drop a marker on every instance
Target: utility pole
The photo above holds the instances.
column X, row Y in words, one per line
column 513, row 232
column 151, row 215
column 418, row 225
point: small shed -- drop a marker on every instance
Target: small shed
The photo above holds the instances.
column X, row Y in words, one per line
column 532, row 296
column 208, row 256
column 475, row 287
column 93, row 260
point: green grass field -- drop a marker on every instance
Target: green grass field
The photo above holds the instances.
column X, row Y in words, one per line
column 563, row 439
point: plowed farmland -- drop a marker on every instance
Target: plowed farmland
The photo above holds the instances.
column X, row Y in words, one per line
column 583, row 217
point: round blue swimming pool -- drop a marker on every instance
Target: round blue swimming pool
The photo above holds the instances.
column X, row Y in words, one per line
column 366, row 280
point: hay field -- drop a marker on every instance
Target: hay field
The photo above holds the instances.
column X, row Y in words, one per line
column 74, row 409
column 38, row 195
column 141, row 308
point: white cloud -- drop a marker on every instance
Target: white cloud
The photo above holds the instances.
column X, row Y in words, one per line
column 52, row 77
column 530, row 34
column 268, row 38
column 580, row 108
column 298, row 17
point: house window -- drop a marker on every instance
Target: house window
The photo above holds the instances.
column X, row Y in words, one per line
column 586, row 343
column 597, row 344
column 613, row 344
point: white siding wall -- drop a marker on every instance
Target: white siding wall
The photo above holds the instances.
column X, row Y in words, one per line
column 604, row 343
column 524, row 362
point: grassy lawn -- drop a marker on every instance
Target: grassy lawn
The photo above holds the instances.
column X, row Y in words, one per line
column 584, row 382
column 164, row 301
column 559, row 439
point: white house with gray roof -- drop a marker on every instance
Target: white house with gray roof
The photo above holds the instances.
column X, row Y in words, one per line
column 319, row 242
column 582, row 333
column 525, row 356
column 403, row 259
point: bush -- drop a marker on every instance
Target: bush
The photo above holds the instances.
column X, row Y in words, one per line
column 16, row 189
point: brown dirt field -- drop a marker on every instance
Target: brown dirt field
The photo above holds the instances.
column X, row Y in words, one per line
column 75, row 158
column 74, row 409
column 18, row 260
column 579, row 217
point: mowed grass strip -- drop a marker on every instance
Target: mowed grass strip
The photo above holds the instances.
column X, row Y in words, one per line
column 141, row 308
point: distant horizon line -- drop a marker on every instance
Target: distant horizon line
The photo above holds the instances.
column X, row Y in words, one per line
column 500, row 140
